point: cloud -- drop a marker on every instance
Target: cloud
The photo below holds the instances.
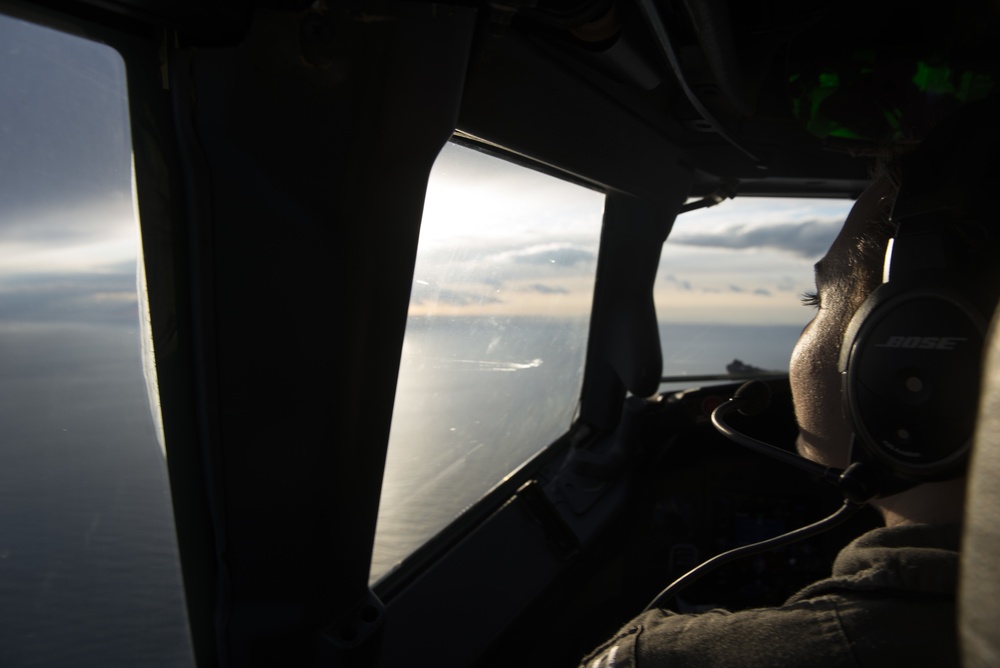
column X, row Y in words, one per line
column 806, row 239
column 97, row 237
column 731, row 288
column 486, row 259
column 68, row 223
column 559, row 255
column 679, row 283
column 469, row 271
column 786, row 284
column 64, row 298
column 548, row 289
column 65, row 119
column 461, row 298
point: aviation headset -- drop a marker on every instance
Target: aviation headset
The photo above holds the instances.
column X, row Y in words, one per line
column 911, row 357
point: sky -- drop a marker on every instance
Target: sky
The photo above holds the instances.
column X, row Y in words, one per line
column 500, row 239
column 497, row 238
column 68, row 234
column 746, row 261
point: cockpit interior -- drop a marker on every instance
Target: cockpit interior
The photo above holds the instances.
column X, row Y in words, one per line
column 278, row 154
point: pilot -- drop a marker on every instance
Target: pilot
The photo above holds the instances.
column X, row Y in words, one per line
column 891, row 597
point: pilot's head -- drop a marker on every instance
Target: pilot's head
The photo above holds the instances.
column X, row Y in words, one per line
column 943, row 189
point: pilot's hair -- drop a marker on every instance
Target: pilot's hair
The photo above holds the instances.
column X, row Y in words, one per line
column 867, row 254
column 871, row 245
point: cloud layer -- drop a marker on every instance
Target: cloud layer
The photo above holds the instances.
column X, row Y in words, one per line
column 806, row 239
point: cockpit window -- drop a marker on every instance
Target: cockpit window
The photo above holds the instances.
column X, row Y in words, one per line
column 89, row 572
column 495, row 341
column 730, row 285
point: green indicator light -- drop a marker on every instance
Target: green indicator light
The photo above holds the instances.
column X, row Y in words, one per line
column 920, row 78
column 929, row 79
column 845, row 133
column 829, row 80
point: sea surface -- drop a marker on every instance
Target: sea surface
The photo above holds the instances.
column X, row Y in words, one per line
column 89, row 572
column 700, row 349
column 477, row 397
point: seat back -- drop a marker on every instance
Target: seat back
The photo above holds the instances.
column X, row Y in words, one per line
column 979, row 589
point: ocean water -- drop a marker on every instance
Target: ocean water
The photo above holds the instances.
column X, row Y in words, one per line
column 477, row 397
column 698, row 349
column 89, row 572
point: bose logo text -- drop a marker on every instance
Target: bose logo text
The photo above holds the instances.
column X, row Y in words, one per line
column 922, row 342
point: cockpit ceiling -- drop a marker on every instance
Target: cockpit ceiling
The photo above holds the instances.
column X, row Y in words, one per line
column 756, row 60
column 774, row 96
column 768, row 90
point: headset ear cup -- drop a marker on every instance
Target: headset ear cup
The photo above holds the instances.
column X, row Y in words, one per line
column 910, row 365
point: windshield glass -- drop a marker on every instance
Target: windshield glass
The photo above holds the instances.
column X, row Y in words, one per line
column 89, row 572
column 495, row 339
column 730, row 285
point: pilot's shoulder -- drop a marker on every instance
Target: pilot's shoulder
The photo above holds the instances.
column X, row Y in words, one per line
column 806, row 633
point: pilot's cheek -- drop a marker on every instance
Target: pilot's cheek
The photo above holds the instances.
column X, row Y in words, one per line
column 801, row 372
column 815, row 383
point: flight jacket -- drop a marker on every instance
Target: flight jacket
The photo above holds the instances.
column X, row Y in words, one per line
column 890, row 601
